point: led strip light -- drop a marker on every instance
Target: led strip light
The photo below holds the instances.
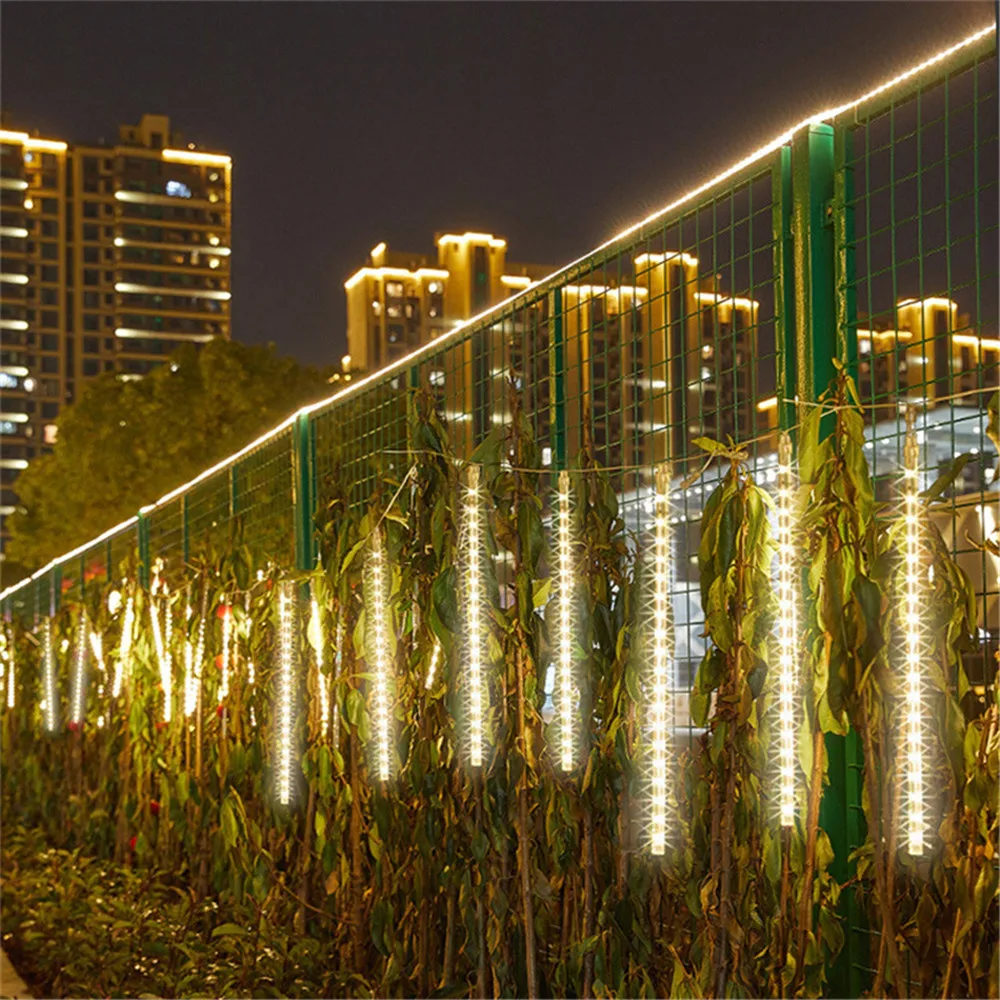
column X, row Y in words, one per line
column 475, row 683
column 565, row 685
column 377, row 641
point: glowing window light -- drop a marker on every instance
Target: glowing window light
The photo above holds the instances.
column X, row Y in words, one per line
column 432, row 668
column 662, row 665
column 377, row 643
column 124, row 663
column 227, row 628
column 286, row 689
column 565, row 685
column 79, row 696
column 915, row 598
column 788, row 635
column 50, row 706
column 474, row 623
column 316, row 629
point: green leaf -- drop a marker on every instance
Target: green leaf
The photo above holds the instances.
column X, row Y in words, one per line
column 229, row 930
column 947, row 478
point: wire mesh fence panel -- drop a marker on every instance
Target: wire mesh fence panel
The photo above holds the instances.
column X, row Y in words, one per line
column 166, row 537
column 919, row 272
column 261, row 500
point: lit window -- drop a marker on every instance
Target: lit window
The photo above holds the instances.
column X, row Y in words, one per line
column 434, row 288
column 214, row 263
column 178, row 190
column 8, row 427
column 436, row 378
column 213, row 176
column 7, row 381
column 394, row 288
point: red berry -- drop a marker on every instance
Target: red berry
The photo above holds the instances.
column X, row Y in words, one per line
column 154, row 807
column 74, row 727
column 131, row 843
column 219, row 709
column 160, row 726
column 222, row 610
column 270, row 584
column 218, row 662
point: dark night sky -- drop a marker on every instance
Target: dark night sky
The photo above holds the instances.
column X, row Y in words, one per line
column 554, row 125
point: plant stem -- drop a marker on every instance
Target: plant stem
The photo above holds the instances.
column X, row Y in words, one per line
column 524, row 836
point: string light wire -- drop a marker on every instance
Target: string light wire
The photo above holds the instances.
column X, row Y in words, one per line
column 377, row 643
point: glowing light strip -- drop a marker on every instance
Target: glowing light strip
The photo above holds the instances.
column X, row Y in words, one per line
column 662, row 666
column 51, row 704
column 286, row 689
column 433, row 346
column 77, row 702
column 190, row 691
column 914, row 601
column 788, row 635
column 161, row 640
column 377, row 641
column 124, row 647
column 565, row 624
column 97, row 649
column 474, row 615
column 227, row 628
column 321, row 686
column 432, row 668
column 11, row 677
column 196, row 157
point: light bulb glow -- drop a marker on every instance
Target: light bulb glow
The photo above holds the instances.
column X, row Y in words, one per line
column 788, row 635
column 11, row 667
column 285, row 715
column 79, row 695
column 660, row 708
column 915, row 598
column 564, row 683
column 316, row 627
column 123, row 666
column 161, row 641
column 476, row 693
column 50, row 706
column 227, row 629
column 432, row 668
column 377, row 643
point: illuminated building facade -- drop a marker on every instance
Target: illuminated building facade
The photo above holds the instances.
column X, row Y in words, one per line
column 398, row 300
column 111, row 256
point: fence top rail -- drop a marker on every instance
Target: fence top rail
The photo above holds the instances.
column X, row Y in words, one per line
column 866, row 104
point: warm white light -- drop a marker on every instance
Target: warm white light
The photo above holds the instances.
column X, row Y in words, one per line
column 788, row 634
column 51, row 703
column 79, row 696
column 316, row 631
column 114, row 602
column 564, row 683
column 124, row 663
column 474, row 614
column 915, row 599
column 377, row 647
column 662, row 665
column 227, row 629
column 432, row 669
column 161, row 641
column 285, row 715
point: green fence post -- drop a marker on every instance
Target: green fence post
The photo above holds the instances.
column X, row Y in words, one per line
column 557, row 388
column 302, row 495
column 142, row 538
column 817, row 342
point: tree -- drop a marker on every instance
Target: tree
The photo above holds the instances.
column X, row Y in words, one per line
column 126, row 443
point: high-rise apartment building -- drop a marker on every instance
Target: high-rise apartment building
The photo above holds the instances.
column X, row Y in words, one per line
column 111, row 255
column 399, row 300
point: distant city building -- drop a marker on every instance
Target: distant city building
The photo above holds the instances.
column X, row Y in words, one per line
column 111, row 255
column 399, row 301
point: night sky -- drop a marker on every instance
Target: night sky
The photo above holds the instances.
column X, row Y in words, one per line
column 554, row 125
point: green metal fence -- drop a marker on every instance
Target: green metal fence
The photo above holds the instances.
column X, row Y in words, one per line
column 868, row 234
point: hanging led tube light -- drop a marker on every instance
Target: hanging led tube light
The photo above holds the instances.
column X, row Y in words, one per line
column 788, row 634
column 377, row 648
column 432, row 668
column 50, row 705
column 660, row 709
column 11, row 677
column 915, row 599
column 78, row 698
column 565, row 681
column 475, row 681
column 285, row 708
column 97, row 650
column 316, row 630
column 161, row 641
column 227, row 630
column 123, row 665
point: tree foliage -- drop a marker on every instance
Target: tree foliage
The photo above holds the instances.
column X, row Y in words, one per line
column 126, row 442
